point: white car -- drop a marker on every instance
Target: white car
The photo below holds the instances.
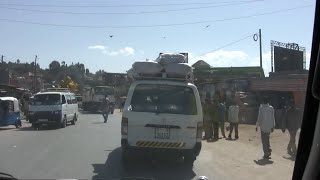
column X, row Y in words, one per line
column 53, row 108
column 162, row 116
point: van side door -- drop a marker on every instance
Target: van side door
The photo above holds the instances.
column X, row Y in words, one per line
column 69, row 107
column 74, row 104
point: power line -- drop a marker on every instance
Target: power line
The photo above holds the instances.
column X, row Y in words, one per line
column 119, row 13
column 155, row 25
column 234, row 42
column 112, row 6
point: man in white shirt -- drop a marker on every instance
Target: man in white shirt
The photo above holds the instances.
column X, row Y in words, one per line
column 233, row 118
column 266, row 121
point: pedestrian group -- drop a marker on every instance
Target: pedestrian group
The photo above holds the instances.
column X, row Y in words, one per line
column 216, row 114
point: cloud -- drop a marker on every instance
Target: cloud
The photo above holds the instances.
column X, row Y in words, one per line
column 223, row 58
column 126, row 51
column 99, row 47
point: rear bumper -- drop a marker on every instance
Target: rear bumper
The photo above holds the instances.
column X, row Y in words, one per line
column 47, row 122
column 151, row 151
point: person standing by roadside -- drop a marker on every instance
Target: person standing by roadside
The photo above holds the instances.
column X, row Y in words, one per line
column 266, row 122
column 105, row 108
column 207, row 118
column 222, row 116
column 215, row 119
column 233, row 118
column 292, row 122
column 122, row 104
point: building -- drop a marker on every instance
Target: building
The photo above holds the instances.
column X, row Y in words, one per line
column 200, row 64
column 281, row 88
column 223, row 81
column 247, row 86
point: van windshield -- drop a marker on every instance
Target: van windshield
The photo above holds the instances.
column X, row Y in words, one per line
column 46, row 99
column 164, row 99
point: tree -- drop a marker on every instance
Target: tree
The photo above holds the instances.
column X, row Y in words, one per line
column 87, row 71
column 98, row 74
column 18, row 61
column 82, row 69
column 54, row 66
column 63, row 63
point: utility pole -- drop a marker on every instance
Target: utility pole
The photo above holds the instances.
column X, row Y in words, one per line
column 260, row 48
column 35, row 74
column 2, row 58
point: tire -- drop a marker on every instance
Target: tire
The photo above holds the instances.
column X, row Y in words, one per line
column 73, row 122
column 35, row 126
column 84, row 107
column 18, row 124
column 189, row 160
column 64, row 122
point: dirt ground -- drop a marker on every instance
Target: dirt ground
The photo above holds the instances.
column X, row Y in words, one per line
column 242, row 158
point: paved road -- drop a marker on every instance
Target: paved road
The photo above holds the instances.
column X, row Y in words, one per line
column 91, row 150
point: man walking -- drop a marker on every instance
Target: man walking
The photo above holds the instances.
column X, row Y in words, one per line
column 292, row 122
column 222, row 115
column 105, row 108
column 122, row 105
column 233, row 118
column 266, row 121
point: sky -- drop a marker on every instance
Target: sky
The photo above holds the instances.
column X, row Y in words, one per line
column 217, row 31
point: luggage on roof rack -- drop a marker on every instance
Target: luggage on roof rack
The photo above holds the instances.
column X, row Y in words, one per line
column 167, row 67
column 178, row 70
column 169, row 58
column 147, row 67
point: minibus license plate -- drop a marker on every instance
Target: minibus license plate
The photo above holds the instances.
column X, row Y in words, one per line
column 162, row 133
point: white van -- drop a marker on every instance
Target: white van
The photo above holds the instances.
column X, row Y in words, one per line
column 162, row 116
column 53, row 108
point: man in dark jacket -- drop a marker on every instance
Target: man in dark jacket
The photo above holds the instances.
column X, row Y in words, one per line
column 292, row 122
column 207, row 118
column 105, row 108
column 215, row 119
column 222, row 116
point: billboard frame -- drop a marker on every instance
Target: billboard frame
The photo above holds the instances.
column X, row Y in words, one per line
column 292, row 46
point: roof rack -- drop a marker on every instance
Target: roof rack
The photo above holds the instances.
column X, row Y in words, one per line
column 164, row 76
column 56, row 90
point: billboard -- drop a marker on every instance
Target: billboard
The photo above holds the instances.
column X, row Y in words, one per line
column 287, row 59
